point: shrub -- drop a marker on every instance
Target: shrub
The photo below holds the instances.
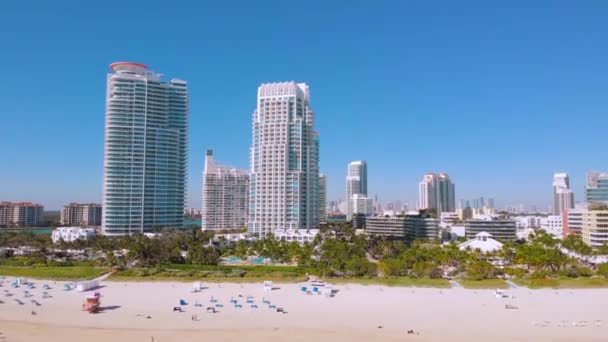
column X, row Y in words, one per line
column 602, row 270
column 480, row 270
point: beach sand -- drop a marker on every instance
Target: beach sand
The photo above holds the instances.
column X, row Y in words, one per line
column 356, row 313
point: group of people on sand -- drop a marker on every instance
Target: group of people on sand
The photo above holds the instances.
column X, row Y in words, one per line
column 412, row 332
column 195, row 317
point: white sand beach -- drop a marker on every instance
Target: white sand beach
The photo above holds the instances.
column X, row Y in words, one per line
column 354, row 314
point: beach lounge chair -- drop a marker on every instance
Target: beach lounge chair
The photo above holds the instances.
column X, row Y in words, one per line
column 33, row 301
column 18, row 301
column 46, row 287
column 211, row 309
column 197, row 304
column 238, row 306
column 249, row 301
column 233, row 301
column 219, row 305
column 182, row 302
column 254, row 306
column 280, row 310
column 265, row 301
column 213, row 300
column 272, row 306
column 177, row 308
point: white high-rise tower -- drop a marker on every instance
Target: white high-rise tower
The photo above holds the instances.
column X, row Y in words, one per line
column 356, row 184
column 146, row 141
column 563, row 197
column 436, row 191
column 284, row 160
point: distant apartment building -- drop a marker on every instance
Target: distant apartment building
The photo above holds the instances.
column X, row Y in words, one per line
column 421, row 227
column 145, row 157
column 527, row 221
column 322, row 198
column 595, row 227
column 563, row 197
column 361, row 205
column 597, row 187
column 20, row 214
column 284, row 160
column 436, row 191
column 192, row 212
column 500, row 229
column 356, row 184
column 386, row 226
column 553, row 225
column 572, row 221
column 449, row 217
column 464, row 213
column 225, row 196
column 81, row 214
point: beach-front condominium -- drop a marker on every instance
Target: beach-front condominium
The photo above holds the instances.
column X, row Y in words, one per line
column 146, row 140
column 563, row 197
column 597, row 187
column 356, row 184
column 81, row 214
column 284, row 170
column 436, row 191
column 225, row 196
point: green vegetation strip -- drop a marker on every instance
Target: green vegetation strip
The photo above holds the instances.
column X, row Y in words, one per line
column 213, row 273
column 563, row 283
column 396, row 281
column 483, row 284
column 53, row 272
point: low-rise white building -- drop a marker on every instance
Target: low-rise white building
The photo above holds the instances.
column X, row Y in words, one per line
column 232, row 237
column 482, row 241
column 448, row 217
column 298, row 235
column 552, row 224
column 456, row 231
column 528, row 221
column 70, row 234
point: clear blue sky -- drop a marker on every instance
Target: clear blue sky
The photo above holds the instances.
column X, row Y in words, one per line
column 499, row 94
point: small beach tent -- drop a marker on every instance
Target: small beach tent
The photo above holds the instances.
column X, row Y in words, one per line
column 87, row 285
column 196, row 286
column 267, row 285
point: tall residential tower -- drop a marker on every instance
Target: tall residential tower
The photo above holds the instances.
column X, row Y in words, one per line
column 284, row 160
column 225, row 196
column 436, row 191
column 356, row 184
column 146, row 141
column 563, row 197
column 597, row 187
